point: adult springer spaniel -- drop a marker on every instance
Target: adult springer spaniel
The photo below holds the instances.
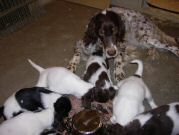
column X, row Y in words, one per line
column 115, row 28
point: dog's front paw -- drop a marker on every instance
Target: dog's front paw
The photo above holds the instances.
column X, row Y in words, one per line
column 119, row 74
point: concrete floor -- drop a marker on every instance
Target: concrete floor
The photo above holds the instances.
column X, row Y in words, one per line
column 49, row 41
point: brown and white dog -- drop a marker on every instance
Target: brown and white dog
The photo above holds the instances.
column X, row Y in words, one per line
column 97, row 72
column 115, row 28
column 163, row 120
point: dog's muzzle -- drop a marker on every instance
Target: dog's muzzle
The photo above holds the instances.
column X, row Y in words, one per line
column 111, row 52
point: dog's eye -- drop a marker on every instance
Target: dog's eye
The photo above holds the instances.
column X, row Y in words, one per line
column 101, row 32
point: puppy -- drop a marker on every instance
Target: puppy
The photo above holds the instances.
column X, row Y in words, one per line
column 128, row 102
column 62, row 81
column 163, row 120
column 33, row 123
column 28, row 99
column 97, row 72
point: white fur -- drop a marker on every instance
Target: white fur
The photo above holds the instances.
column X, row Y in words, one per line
column 129, row 100
column 11, row 106
column 175, row 118
column 28, row 123
column 49, row 99
column 62, row 81
column 104, row 12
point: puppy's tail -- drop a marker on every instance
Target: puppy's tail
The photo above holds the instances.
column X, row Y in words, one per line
column 140, row 67
column 37, row 67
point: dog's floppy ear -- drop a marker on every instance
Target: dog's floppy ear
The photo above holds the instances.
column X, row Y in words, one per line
column 62, row 106
column 88, row 98
column 112, row 92
column 121, row 29
column 90, row 33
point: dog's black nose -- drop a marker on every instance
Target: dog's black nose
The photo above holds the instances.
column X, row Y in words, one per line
column 111, row 51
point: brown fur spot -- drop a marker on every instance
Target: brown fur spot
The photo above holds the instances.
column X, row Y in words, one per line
column 141, row 28
column 91, row 70
column 118, row 63
column 77, row 54
column 101, row 80
column 138, row 76
column 104, row 65
column 133, row 126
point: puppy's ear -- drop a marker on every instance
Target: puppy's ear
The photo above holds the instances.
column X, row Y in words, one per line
column 101, row 96
column 112, row 92
column 90, row 34
column 62, row 106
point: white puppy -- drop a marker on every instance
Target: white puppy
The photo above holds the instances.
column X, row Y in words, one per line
column 62, row 81
column 128, row 101
column 27, row 123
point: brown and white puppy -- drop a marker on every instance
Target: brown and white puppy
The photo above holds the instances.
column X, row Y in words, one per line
column 163, row 120
column 97, row 72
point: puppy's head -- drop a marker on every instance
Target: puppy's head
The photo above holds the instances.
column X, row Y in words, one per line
column 99, row 95
column 62, row 108
column 109, row 28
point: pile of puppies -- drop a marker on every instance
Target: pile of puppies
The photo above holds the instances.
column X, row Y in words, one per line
column 44, row 108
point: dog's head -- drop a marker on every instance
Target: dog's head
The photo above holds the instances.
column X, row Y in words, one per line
column 109, row 28
column 99, row 95
column 62, row 108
